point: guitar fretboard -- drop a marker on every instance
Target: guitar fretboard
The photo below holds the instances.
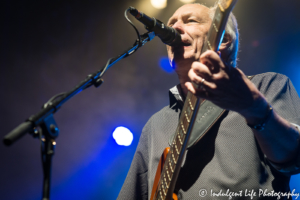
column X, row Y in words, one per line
column 178, row 146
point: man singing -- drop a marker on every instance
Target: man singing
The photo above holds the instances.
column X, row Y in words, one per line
column 253, row 147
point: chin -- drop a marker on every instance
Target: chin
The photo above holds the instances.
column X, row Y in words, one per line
column 181, row 63
column 184, row 59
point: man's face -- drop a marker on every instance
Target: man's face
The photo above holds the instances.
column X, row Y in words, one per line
column 193, row 22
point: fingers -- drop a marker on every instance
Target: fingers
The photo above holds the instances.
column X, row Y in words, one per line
column 209, row 76
column 212, row 60
column 197, row 73
column 210, row 66
column 201, row 70
column 200, row 83
column 190, row 87
column 200, row 91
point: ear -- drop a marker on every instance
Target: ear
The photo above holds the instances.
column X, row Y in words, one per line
column 227, row 40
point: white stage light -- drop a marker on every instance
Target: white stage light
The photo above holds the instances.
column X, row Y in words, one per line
column 159, row 4
column 123, row 136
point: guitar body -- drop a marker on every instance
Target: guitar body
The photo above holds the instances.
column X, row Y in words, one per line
column 158, row 174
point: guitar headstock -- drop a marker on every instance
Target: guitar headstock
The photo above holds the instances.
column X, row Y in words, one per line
column 226, row 5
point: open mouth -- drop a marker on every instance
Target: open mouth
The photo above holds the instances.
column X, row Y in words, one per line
column 186, row 44
column 182, row 44
column 180, row 47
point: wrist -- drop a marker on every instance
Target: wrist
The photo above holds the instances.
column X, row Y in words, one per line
column 260, row 124
column 257, row 110
column 258, row 114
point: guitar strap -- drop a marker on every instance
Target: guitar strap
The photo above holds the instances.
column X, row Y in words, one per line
column 208, row 114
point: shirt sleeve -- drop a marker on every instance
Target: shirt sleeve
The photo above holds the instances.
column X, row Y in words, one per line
column 281, row 94
column 292, row 167
column 136, row 184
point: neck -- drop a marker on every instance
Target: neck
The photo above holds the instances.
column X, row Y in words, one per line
column 184, row 90
column 182, row 70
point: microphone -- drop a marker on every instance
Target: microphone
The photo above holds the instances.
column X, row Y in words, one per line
column 168, row 35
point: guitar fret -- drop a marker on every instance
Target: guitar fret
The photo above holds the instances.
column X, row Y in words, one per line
column 167, row 186
column 180, row 133
column 172, row 162
column 174, row 152
column 174, row 158
column 170, row 165
column 182, row 127
column 180, row 139
column 163, row 188
column 167, row 172
column 209, row 45
column 190, row 104
column 160, row 194
column 164, row 192
column 176, row 149
column 187, row 117
column 168, row 175
column 188, row 111
column 216, row 29
column 176, row 144
column 166, row 182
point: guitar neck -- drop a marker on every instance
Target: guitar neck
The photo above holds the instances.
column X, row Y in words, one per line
column 175, row 156
column 217, row 28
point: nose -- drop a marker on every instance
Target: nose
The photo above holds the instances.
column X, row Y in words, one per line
column 179, row 27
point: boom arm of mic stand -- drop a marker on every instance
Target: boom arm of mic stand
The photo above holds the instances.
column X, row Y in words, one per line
column 52, row 107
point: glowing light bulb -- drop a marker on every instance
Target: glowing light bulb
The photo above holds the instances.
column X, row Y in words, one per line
column 123, row 136
column 159, row 4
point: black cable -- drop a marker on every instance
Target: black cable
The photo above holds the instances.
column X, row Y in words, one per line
column 139, row 41
column 52, row 99
column 137, row 32
column 104, row 69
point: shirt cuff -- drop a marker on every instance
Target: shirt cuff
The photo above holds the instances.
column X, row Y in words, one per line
column 292, row 167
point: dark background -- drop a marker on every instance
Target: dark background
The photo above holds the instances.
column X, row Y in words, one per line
column 47, row 47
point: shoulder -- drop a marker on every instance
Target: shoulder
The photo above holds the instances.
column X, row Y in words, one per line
column 269, row 77
column 280, row 93
column 161, row 126
column 164, row 116
column 270, row 81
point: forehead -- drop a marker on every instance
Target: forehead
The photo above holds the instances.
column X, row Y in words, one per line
column 191, row 10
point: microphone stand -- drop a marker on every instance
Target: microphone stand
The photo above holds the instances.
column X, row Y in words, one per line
column 44, row 119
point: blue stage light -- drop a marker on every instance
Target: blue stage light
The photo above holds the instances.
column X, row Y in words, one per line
column 123, row 136
column 165, row 65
